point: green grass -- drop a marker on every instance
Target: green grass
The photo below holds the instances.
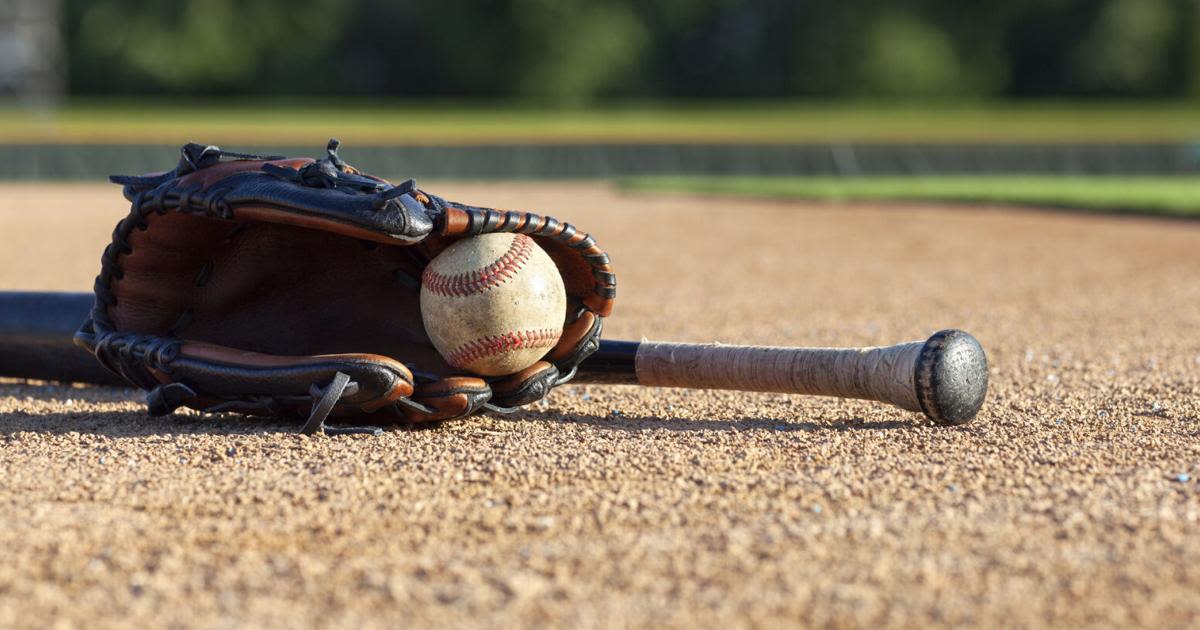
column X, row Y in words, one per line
column 426, row 122
column 1177, row 196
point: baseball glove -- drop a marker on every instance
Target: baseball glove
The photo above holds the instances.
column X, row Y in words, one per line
column 290, row 287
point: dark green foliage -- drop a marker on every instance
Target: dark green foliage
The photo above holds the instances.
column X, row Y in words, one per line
column 574, row 51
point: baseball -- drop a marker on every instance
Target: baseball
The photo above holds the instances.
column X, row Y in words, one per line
column 493, row 304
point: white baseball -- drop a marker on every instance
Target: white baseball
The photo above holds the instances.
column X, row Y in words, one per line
column 493, row 304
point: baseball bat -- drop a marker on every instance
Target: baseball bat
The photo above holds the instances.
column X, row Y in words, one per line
column 945, row 377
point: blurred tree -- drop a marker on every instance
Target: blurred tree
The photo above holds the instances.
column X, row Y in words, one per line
column 1126, row 50
column 722, row 48
column 1102, row 48
column 199, row 46
column 907, row 56
column 575, row 49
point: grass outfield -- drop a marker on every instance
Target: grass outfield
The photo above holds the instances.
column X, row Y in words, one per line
column 1177, row 196
column 417, row 122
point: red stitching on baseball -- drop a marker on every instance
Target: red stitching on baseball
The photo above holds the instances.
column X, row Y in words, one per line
column 480, row 280
column 474, row 350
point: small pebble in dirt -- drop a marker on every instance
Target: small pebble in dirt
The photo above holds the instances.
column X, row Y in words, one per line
column 952, row 487
column 587, row 396
column 1156, row 408
column 1183, row 477
column 1102, row 413
column 231, row 451
column 616, row 413
column 816, row 509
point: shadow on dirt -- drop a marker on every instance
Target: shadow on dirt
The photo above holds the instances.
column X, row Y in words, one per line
column 137, row 423
column 117, row 424
column 636, row 424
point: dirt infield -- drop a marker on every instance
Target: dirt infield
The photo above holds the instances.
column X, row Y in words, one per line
column 1072, row 499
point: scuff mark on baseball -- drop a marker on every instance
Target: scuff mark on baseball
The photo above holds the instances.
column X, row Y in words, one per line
column 493, row 304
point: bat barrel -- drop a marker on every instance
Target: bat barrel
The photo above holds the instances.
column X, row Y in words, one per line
column 944, row 377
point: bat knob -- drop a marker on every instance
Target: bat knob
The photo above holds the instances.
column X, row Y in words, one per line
column 951, row 377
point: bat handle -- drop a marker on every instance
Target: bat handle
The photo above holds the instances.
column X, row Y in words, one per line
column 944, row 377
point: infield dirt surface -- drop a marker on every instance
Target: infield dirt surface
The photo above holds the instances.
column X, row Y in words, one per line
column 1073, row 498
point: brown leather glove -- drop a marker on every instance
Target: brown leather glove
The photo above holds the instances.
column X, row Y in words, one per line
column 277, row 286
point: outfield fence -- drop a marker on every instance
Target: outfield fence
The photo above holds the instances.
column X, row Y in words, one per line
column 583, row 161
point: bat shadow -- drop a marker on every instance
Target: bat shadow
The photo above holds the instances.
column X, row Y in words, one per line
column 50, row 410
column 63, row 409
column 644, row 423
column 121, row 424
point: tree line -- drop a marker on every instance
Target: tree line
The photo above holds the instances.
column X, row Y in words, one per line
column 579, row 51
